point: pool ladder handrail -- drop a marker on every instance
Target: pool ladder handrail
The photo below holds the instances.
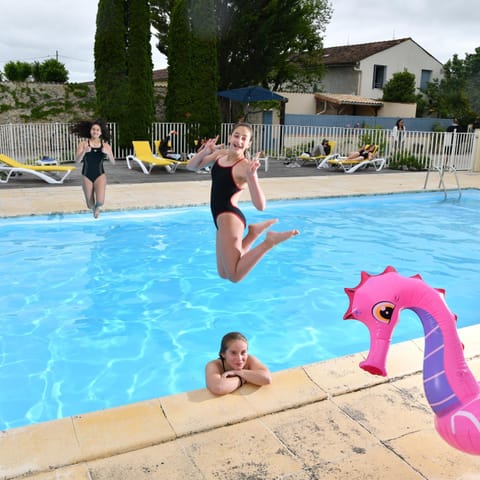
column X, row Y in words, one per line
column 449, row 167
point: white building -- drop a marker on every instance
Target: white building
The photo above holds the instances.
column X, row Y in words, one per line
column 364, row 69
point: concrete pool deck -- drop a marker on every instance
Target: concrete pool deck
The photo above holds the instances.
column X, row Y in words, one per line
column 329, row 420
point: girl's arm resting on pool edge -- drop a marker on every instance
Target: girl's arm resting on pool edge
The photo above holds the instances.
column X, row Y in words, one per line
column 217, row 383
column 257, row 373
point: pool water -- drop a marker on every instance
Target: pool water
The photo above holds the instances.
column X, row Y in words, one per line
column 97, row 314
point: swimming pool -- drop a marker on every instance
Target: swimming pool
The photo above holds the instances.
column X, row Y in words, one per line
column 102, row 313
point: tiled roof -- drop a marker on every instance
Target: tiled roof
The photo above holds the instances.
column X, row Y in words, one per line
column 350, row 54
column 344, row 99
column 160, row 75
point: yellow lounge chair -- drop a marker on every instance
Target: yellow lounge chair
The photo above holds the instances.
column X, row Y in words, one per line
column 181, row 163
column 48, row 173
column 305, row 158
column 146, row 160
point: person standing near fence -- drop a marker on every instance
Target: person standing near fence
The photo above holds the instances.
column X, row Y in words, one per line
column 451, row 136
column 398, row 135
column 92, row 151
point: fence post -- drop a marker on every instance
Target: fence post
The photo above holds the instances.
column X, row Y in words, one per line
column 12, row 141
column 476, row 152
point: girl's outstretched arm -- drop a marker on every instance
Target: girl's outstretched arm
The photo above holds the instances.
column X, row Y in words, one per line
column 256, row 193
column 207, row 154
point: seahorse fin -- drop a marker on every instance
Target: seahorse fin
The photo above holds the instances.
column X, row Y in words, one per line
column 389, row 269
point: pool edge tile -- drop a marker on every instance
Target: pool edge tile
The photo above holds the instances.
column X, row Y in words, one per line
column 39, row 447
column 199, row 410
column 120, row 429
column 290, row 388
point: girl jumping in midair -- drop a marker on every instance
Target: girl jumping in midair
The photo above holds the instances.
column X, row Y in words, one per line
column 92, row 152
column 231, row 173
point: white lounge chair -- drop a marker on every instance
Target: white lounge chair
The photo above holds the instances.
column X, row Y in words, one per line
column 48, row 173
column 349, row 165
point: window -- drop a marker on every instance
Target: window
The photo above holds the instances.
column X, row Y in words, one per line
column 379, row 72
column 425, row 78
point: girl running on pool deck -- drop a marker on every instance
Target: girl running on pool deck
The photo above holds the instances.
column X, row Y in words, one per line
column 232, row 171
column 92, row 152
column 235, row 366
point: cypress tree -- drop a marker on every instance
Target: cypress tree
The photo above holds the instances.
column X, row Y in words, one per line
column 178, row 100
column 123, row 67
column 141, row 108
column 192, row 67
column 205, row 109
column 111, row 80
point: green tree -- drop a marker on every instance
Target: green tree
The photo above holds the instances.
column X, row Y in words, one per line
column 36, row 71
column 178, row 100
column 140, row 104
column 17, row 71
column 192, row 67
column 271, row 42
column 451, row 96
column 51, row 70
column 123, row 67
column 400, row 88
column 111, row 79
column 160, row 11
column 472, row 87
column 204, row 109
column 268, row 42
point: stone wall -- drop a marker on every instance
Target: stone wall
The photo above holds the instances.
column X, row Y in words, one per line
column 31, row 102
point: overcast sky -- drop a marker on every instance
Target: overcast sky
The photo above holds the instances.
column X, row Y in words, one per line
column 33, row 30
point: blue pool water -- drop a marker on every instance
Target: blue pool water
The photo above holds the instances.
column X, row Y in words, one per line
column 97, row 314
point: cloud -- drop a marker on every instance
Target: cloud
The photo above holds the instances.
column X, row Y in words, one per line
column 33, row 30
column 442, row 29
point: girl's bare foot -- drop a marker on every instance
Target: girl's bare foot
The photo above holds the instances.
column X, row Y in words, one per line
column 257, row 229
column 274, row 238
column 96, row 212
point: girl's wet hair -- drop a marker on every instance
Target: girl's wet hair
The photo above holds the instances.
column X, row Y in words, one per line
column 82, row 129
column 229, row 338
column 244, row 124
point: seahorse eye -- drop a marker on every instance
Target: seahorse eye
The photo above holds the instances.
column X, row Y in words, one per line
column 383, row 311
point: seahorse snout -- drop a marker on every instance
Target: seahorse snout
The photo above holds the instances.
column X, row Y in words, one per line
column 373, row 369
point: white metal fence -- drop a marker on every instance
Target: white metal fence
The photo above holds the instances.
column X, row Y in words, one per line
column 428, row 149
column 29, row 142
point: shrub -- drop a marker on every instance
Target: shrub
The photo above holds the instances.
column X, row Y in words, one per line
column 408, row 161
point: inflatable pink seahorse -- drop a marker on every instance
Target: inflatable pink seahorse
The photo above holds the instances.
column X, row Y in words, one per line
column 450, row 387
